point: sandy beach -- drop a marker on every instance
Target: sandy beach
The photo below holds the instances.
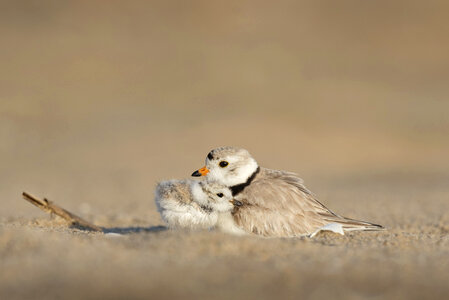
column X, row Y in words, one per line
column 100, row 101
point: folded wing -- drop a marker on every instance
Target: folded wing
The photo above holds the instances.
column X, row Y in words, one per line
column 277, row 203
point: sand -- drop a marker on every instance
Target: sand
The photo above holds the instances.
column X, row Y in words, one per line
column 141, row 259
column 101, row 100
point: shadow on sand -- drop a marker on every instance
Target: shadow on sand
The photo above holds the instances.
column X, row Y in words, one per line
column 130, row 230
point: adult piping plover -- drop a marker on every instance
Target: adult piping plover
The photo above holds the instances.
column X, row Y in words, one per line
column 272, row 203
column 196, row 205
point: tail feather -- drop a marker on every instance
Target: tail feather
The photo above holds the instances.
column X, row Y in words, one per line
column 354, row 225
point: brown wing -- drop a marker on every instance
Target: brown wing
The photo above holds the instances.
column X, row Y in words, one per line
column 277, row 203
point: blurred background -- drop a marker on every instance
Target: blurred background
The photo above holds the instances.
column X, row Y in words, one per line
column 99, row 100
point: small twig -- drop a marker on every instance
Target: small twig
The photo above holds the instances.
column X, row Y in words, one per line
column 52, row 208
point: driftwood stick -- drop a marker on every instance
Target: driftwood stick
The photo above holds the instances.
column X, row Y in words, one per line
column 52, row 208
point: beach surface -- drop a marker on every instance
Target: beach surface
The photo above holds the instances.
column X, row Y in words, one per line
column 100, row 101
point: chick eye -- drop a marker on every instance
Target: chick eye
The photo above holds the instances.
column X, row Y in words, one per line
column 220, row 195
column 223, row 164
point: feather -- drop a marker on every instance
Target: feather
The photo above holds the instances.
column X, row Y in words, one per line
column 277, row 203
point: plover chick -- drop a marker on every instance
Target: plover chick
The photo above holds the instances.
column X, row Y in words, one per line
column 273, row 203
column 218, row 198
column 195, row 205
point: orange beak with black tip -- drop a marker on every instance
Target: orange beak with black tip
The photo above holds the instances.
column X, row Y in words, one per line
column 201, row 172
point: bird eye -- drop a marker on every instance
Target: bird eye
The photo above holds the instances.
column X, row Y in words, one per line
column 220, row 195
column 223, row 164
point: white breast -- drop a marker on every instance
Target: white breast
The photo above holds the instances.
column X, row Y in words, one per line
column 225, row 223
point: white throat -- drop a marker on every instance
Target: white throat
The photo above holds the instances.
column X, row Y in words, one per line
column 227, row 178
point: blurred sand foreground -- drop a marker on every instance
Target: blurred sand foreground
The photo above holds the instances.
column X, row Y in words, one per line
column 101, row 100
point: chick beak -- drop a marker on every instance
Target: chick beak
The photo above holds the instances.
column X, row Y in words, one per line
column 201, row 172
column 236, row 202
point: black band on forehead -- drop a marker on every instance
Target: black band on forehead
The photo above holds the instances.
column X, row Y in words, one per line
column 210, row 155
